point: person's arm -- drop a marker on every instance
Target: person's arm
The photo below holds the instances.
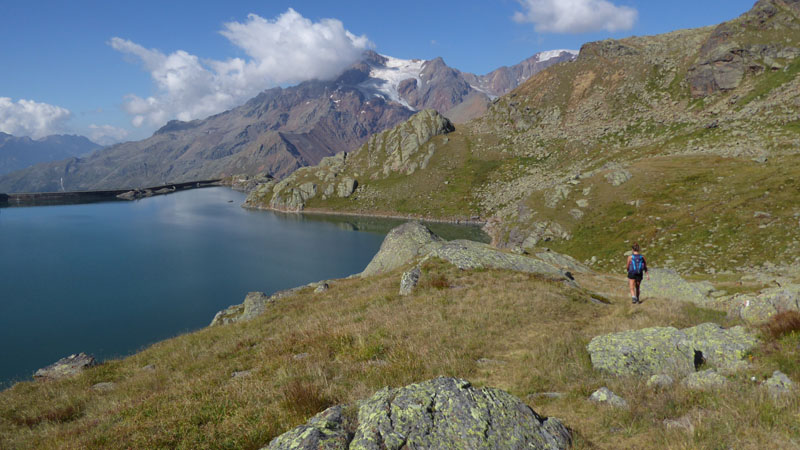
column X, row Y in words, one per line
column 644, row 265
column 628, row 264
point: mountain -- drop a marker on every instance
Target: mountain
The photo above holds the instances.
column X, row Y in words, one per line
column 276, row 132
column 686, row 142
column 20, row 152
column 501, row 81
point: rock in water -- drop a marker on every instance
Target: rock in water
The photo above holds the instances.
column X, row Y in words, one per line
column 66, row 367
column 436, row 414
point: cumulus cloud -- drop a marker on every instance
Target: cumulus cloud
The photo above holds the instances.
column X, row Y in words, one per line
column 106, row 134
column 576, row 16
column 288, row 49
column 30, row 118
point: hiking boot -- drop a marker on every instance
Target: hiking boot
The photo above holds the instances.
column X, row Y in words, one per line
column 634, row 300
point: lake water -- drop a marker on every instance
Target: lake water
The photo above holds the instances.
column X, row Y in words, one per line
column 111, row 278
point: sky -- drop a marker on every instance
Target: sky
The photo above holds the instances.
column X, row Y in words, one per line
column 115, row 71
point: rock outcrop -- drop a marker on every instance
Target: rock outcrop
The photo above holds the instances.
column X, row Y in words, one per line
column 666, row 283
column 667, row 350
column 436, row 414
column 403, row 149
column 605, row 396
column 65, row 367
column 413, row 241
column 255, row 303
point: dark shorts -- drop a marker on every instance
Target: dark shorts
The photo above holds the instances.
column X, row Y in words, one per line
column 638, row 278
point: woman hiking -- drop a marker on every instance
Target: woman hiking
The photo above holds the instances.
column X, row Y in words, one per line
column 636, row 267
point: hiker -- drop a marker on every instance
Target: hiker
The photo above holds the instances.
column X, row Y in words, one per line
column 636, row 267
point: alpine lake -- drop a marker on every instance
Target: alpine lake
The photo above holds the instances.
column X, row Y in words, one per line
column 111, row 278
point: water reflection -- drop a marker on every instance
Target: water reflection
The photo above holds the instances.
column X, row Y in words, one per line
column 381, row 225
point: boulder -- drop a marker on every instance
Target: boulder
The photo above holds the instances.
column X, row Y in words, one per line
column 667, row 350
column 704, row 380
column 660, row 381
column 412, row 241
column 779, row 384
column 618, row 177
column 436, row 414
column 346, row 187
column 65, row 367
column 756, row 309
column 105, row 386
column 402, row 245
column 605, row 396
column 666, row 283
column 564, row 262
column 255, row 303
column 409, row 281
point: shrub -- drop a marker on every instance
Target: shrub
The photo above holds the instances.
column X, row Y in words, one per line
column 783, row 323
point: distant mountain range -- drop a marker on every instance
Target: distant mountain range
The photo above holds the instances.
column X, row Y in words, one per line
column 283, row 129
column 20, row 152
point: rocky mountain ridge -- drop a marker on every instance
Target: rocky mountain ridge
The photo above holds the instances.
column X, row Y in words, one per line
column 277, row 131
column 20, row 152
column 656, row 139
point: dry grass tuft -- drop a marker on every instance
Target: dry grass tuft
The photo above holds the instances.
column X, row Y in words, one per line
column 782, row 324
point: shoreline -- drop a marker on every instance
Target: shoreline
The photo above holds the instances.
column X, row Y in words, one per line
column 22, row 199
column 327, row 212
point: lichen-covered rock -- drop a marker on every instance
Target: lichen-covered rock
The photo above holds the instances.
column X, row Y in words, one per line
column 605, row 396
column 666, row 283
column 106, row 386
column 779, row 384
column 255, row 303
column 65, row 367
column 401, row 245
column 564, row 262
column 475, row 255
column 409, row 281
column 667, row 350
column 618, row 177
column 704, row 380
column 413, row 240
column 660, row 381
column 756, row 309
column 450, row 413
column 438, row 414
column 327, row 430
column 545, row 232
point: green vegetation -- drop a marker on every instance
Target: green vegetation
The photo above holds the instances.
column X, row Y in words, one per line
column 315, row 350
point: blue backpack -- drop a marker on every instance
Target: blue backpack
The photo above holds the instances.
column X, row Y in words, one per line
column 636, row 267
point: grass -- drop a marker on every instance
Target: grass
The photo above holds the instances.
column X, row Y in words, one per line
column 360, row 336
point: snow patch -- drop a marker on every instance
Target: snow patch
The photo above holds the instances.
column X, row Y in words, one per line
column 386, row 78
column 550, row 54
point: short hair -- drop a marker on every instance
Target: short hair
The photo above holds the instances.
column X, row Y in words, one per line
column 635, row 246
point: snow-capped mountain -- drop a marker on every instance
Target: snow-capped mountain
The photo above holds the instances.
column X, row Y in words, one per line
column 282, row 129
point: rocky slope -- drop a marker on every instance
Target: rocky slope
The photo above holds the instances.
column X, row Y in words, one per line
column 686, row 142
column 20, row 152
column 279, row 130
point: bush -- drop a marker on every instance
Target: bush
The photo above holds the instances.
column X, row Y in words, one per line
column 782, row 324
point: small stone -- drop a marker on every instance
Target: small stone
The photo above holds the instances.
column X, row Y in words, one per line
column 301, row 356
column 148, row 368
column 104, row 386
column 490, row 362
column 546, row 395
column 241, row 374
column 322, row 287
column 66, row 367
column 681, row 423
column 779, row 384
column 604, row 395
column 582, row 203
column 660, row 381
column 409, row 281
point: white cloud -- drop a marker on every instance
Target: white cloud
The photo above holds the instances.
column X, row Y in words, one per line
column 106, row 134
column 30, row 118
column 289, row 49
column 576, row 16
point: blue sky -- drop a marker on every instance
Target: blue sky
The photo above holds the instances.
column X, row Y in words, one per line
column 101, row 68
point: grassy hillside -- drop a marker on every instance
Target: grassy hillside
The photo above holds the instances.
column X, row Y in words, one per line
column 504, row 329
column 652, row 135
